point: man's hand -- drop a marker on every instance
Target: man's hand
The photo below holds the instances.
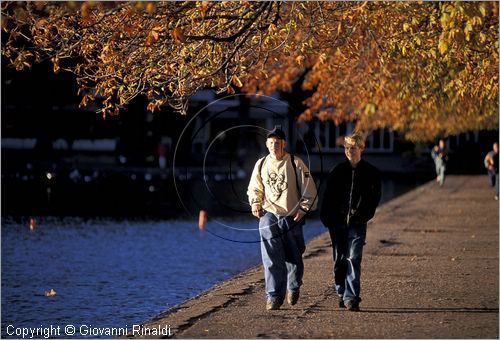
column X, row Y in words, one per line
column 257, row 210
column 298, row 216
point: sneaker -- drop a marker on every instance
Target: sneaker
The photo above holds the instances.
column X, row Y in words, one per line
column 340, row 300
column 292, row 297
column 273, row 304
column 352, row 306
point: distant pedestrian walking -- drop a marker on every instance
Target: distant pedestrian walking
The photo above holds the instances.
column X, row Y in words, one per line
column 440, row 156
column 352, row 194
column 281, row 192
column 491, row 164
column 162, row 151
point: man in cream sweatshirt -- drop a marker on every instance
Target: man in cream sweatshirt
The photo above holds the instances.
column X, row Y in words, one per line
column 281, row 192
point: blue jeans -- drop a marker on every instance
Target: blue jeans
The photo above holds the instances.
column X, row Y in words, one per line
column 492, row 176
column 282, row 245
column 440, row 170
column 496, row 183
column 347, row 244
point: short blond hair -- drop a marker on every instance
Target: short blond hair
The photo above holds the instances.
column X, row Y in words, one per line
column 355, row 139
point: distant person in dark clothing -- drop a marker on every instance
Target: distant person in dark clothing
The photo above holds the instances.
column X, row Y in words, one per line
column 440, row 156
column 491, row 164
column 162, row 155
column 352, row 194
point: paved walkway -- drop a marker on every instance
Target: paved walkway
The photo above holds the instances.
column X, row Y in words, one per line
column 430, row 270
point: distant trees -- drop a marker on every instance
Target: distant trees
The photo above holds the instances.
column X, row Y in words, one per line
column 423, row 68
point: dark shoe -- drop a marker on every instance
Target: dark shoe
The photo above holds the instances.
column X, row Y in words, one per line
column 341, row 301
column 352, row 306
column 273, row 304
column 292, row 297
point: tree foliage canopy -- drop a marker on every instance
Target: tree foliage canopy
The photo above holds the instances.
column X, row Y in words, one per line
column 423, row 68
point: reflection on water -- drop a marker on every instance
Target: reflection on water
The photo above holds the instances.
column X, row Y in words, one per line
column 114, row 274
column 111, row 273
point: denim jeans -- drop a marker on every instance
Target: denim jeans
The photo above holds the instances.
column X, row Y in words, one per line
column 492, row 176
column 282, row 245
column 440, row 170
column 347, row 244
column 496, row 183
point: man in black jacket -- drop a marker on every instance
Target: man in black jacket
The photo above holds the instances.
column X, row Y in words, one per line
column 351, row 196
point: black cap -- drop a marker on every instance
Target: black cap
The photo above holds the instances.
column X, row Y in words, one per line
column 276, row 132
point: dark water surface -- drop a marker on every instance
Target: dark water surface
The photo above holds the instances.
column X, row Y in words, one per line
column 110, row 273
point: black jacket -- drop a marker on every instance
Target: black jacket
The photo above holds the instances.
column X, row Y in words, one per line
column 366, row 192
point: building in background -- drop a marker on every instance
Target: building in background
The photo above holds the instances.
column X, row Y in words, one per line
column 58, row 156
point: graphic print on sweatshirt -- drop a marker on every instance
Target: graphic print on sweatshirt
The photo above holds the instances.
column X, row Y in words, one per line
column 277, row 184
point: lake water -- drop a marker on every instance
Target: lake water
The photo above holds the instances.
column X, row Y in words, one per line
column 110, row 273
column 113, row 274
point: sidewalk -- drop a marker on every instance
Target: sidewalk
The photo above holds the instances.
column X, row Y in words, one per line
column 430, row 270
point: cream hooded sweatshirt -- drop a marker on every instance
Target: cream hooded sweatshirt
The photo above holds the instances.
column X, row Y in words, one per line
column 275, row 186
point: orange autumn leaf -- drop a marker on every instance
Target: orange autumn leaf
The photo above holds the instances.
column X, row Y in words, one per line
column 203, row 7
column 150, row 8
column 178, row 35
column 55, row 62
column 85, row 10
column 151, row 38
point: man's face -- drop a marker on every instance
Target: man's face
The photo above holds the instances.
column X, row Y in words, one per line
column 441, row 144
column 495, row 147
column 352, row 152
column 276, row 147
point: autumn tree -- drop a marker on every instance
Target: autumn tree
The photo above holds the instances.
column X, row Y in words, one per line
column 425, row 69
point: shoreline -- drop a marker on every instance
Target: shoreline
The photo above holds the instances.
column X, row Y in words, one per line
column 403, row 236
